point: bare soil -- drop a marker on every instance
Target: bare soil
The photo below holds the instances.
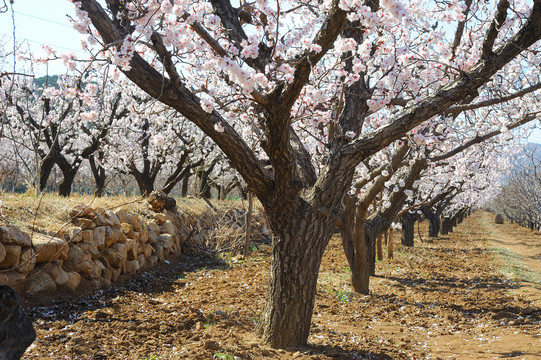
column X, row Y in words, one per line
column 455, row 297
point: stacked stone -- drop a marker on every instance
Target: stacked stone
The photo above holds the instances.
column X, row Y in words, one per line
column 98, row 247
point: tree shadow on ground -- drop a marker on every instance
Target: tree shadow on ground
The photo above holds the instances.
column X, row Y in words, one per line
column 337, row 352
column 159, row 279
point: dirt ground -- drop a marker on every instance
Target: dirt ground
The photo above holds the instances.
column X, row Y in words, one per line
column 475, row 294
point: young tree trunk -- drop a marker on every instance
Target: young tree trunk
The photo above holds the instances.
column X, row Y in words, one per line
column 390, row 245
column 185, row 183
column 408, row 229
column 351, row 225
column 379, row 248
column 286, row 317
column 98, row 172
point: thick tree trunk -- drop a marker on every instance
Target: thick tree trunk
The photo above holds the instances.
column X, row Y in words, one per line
column 286, row 317
column 144, row 182
column 408, row 229
column 446, row 226
column 45, row 172
column 15, row 326
column 64, row 189
column 434, row 224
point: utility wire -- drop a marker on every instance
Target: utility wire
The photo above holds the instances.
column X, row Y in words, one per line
column 43, row 19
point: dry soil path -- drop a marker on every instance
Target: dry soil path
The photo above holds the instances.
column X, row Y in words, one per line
column 520, row 250
column 462, row 296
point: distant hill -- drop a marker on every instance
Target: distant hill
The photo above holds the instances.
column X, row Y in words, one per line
column 523, row 158
column 51, row 81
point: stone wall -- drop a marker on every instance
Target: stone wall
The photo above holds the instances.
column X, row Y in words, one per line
column 99, row 246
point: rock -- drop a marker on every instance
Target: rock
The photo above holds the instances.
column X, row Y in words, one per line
column 113, row 218
column 97, row 269
column 151, row 261
column 90, row 248
column 127, row 229
column 160, row 253
column 122, row 249
column 95, row 283
column 116, row 236
column 143, row 236
column 87, row 235
column 131, row 267
column 136, row 224
column 168, row 228
column 132, row 249
column 83, row 211
column 74, row 279
column 107, row 274
column 152, row 226
column 121, row 237
column 113, row 257
column 101, row 235
column 49, row 248
column 498, row 219
column 27, row 261
column 160, row 218
column 135, row 236
column 147, row 250
column 116, row 274
column 39, row 283
column 73, row 234
column 84, row 223
column 10, row 234
column 15, row 326
column 142, row 261
column 122, row 216
column 55, row 271
column 14, row 278
column 11, row 259
column 76, row 257
column 152, row 237
column 102, row 220
column 2, row 253
column 166, row 240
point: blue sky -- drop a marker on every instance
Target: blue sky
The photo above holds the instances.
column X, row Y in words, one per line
column 39, row 22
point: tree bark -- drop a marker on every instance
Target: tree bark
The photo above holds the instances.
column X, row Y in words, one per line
column 379, row 248
column 446, row 227
column 45, row 172
column 185, row 183
column 16, row 329
column 286, row 317
column 98, row 172
column 64, row 189
column 434, row 224
column 390, row 245
column 408, row 229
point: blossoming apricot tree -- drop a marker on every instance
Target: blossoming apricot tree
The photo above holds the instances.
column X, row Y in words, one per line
column 260, row 77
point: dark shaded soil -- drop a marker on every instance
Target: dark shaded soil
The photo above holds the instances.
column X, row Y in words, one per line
column 447, row 299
